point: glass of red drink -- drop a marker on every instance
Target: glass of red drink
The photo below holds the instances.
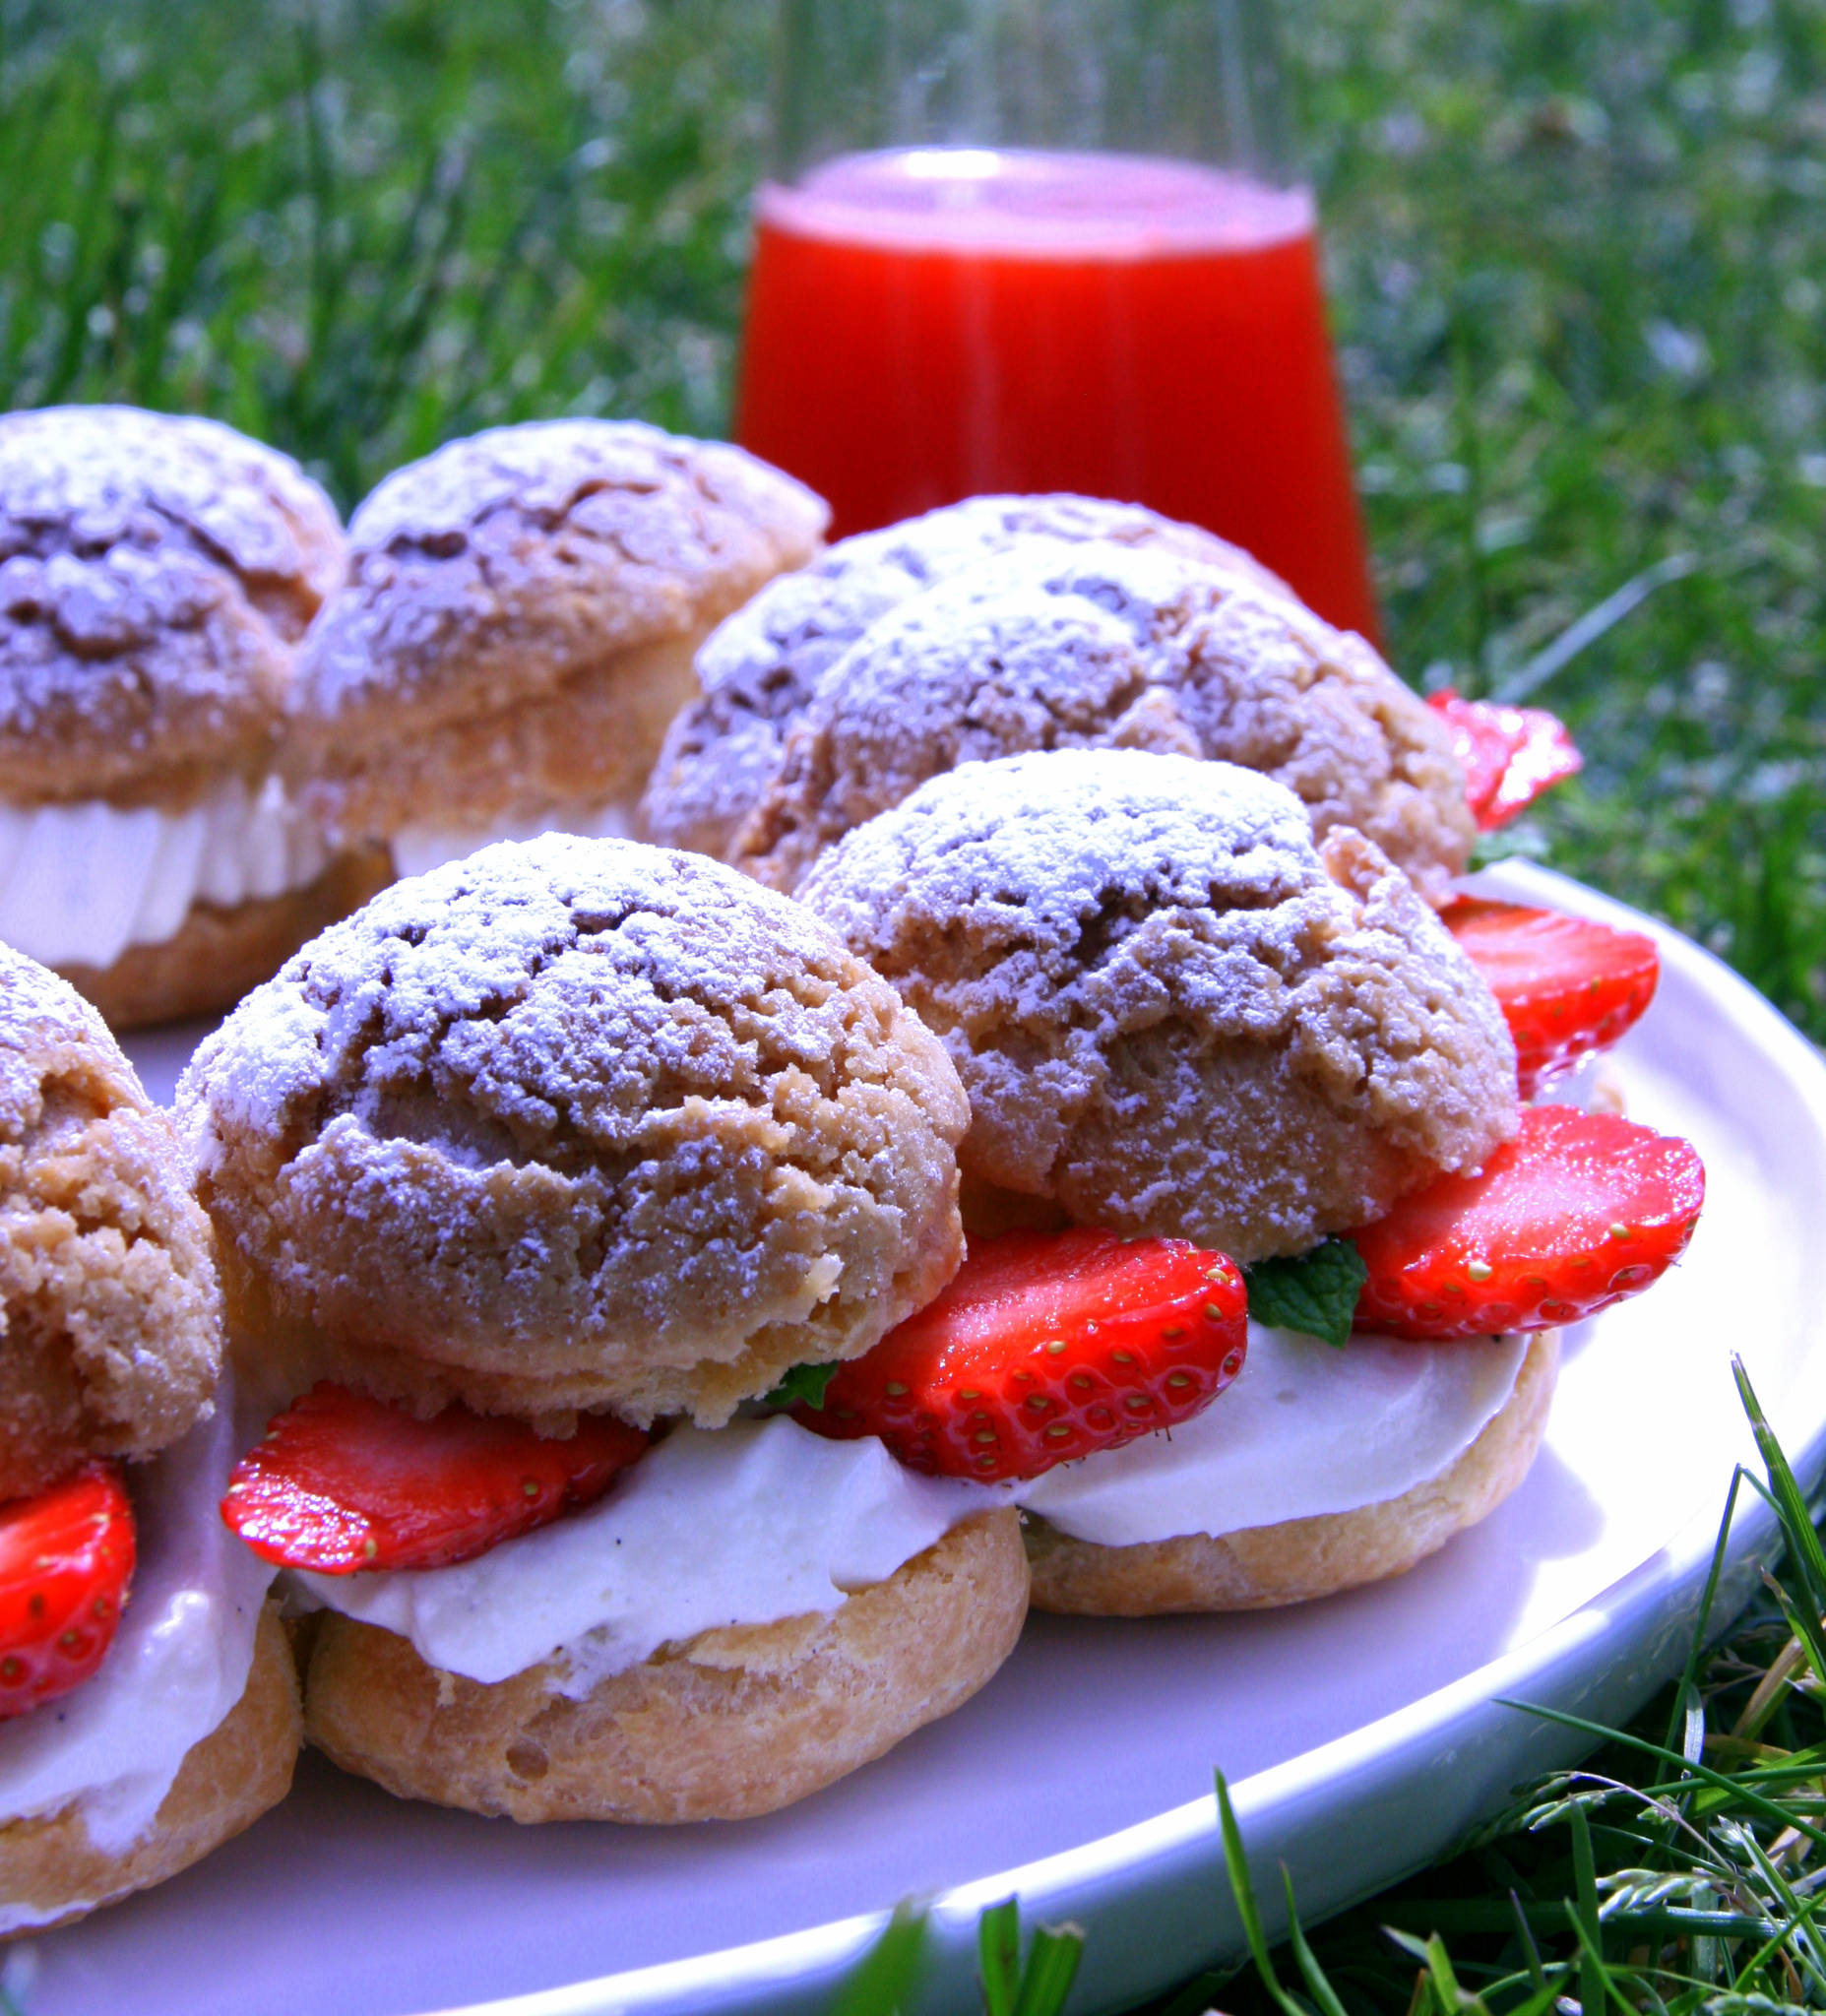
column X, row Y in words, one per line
column 1048, row 245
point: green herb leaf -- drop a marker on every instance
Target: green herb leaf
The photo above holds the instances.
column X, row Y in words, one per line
column 804, row 1383
column 1316, row 1294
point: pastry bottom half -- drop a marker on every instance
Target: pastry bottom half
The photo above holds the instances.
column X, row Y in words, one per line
column 216, row 954
column 225, row 1782
column 731, row 1723
column 1265, row 1566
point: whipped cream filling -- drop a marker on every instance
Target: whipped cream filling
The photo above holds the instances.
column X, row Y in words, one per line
column 417, row 849
column 178, row 1664
column 79, row 883
column 764, row 1520
column 743, row 1525
column 1303, row 1429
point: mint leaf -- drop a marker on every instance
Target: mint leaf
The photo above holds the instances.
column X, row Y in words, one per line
column 1316, row 1294
column 803, row 1383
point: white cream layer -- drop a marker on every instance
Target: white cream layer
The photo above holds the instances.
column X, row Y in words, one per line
column 763, row 1520
column 417, row 849
column 81, row 883
column 178, row 1664
column 745, row 1525
column 1302, row 1429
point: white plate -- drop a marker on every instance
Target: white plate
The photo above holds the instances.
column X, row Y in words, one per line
column 1360, row 1734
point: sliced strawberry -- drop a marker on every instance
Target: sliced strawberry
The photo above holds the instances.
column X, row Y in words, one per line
column 1044, row 1347
column 1577, row 1212
column 66, row 1557
column 343, row 1481
column 1567, row 988
column 1509, row 755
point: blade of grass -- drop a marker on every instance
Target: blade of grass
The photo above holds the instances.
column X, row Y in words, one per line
column 1311, row 1972
column 1525, row 1936
column 1236, row 1866
column 1597, row 1985
column 1052, row 1958
column 1790, row 1502
column 999, row 1956
column 1696, row 1649
column 883, row 1980
column 1585, row 1905
column 1590, row 627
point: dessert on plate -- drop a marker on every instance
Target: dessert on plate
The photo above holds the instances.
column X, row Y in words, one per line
column 758, row 671
column 514, row 629
column 149, row 1705
column 156, row 577
column 532, row 1179
column 1177, row 1019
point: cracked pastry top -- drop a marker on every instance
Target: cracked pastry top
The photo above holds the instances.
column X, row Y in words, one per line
column 1174, row 1013
column 156, row 575
column 1104, row 645
column 517, row 622
column 758, row 671
column 111, row 1321
column 578, row 1124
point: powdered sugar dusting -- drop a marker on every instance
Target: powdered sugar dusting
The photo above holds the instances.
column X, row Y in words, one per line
column 567, row 1117
column 42, row 1016
column 759, row 668
column 1022, row 852
column 154, row 573
column 562, row 539
column 1044, row 645
column 1171, row 1012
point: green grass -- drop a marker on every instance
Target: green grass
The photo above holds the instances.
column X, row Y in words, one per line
column 1578, row 251
column 1578, row 258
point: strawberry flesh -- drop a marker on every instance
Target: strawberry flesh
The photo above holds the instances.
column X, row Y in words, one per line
column 66, row 1559
column 1045, row 1346
column 1567, row 988
column 1509, row 755
column 1577, row 1212
column 345, row 1482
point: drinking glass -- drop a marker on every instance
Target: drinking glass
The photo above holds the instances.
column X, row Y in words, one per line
column 1048, row 245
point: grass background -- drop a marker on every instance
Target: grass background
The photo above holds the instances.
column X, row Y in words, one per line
column 1578, row 261
column 1578, row 256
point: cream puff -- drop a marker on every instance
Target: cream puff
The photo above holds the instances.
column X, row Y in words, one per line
column 1180, row 1018
column 575, row 1149
column 514, row 629
column 1101, row 644
column 148, row 1704
column 758, row 671
column 1175, row 1014
column 156, row 575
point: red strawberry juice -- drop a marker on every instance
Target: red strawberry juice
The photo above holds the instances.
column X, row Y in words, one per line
column 928, row 324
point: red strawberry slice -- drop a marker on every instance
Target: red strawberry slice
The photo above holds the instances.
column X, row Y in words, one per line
column 66, row 1557
column 1509, row 755
column 1044, row 1347
column 1567, row 988
column 1577, row 1212
column 344, row 1481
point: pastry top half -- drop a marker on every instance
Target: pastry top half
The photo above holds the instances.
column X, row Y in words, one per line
column 579, row 1124
column 1174, row 1012
column 759, row 670
column 508, row 570
column 1043, row 646
column 157, row 574
column 110, row 1317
